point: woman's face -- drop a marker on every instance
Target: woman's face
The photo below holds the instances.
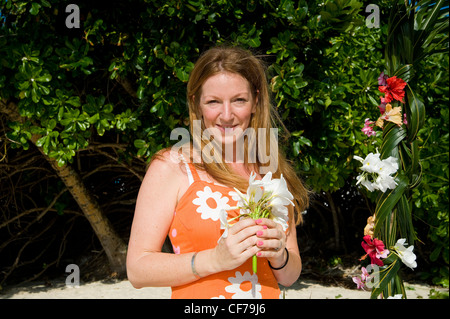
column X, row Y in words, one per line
column 227, row 104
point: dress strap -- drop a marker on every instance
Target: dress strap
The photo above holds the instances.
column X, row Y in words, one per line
column 193, row 171
column 190, row 170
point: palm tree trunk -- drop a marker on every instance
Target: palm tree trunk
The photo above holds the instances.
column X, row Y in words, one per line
column 113, row 245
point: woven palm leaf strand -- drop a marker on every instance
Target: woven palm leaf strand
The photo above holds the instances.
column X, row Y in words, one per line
column 416, row 30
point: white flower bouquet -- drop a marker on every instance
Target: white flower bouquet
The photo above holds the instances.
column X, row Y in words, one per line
column 265, row 198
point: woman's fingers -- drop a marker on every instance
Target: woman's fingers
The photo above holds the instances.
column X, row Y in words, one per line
column 240, row 225
column 271, row 230
column 242, row 231
column 239, row 245
column 248, row 237
column 271, row 239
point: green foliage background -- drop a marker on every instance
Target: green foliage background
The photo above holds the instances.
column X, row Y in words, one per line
column 121, row 78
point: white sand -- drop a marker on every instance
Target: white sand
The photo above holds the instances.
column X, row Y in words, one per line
column 303, row 289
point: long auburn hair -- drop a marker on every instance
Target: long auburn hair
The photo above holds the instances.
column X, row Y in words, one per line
column 242, row 62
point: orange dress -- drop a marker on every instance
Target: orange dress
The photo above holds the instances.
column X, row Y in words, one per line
column 196, row 227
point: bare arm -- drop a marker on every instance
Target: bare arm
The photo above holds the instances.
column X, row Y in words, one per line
column 156, row 202
column 147, row 265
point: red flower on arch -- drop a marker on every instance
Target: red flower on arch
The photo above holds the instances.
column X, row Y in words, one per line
column 375, row 249
column 393, row 90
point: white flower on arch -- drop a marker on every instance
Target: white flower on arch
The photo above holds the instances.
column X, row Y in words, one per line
column 377, row 173
column 406, row 254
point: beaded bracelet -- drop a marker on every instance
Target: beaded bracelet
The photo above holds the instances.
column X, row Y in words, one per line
column 285, row 263
column 194, row 271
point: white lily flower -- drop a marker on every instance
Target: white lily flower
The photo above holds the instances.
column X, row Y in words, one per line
column 223, row 217
column 406, row 254
column 397, row 296
column 279, row 190
column 377, row 173
column 365, row 182
column 371, row 163
column 279, row 197
column 383, row 183
column 254, row 190
column 388, row 166
column 282, row 220
column 269, row 195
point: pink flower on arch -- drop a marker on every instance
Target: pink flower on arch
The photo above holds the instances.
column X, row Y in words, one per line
column 364, row 274
column 368, row 128
column 382, row 105
column 382, row 79
column 360, row 284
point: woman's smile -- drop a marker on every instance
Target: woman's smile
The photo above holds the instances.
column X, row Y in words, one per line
column 226, row 128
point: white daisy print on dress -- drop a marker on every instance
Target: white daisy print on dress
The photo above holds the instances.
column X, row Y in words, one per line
column 234, row 196
column 236, row 289
column 210, row 203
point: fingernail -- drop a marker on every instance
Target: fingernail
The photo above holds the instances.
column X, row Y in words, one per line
column 259, row 233
column 259, row 254
column 264, row 226
column 260, row 243
column 259, row 221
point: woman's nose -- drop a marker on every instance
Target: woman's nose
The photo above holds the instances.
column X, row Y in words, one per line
column 227, row 111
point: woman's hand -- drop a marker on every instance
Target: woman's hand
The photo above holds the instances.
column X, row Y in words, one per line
column 239, row 245
column 264, row 238
column 271, row 241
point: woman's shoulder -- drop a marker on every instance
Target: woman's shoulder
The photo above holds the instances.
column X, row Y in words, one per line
column 185, row 154
column 167, row 169
column 165, row 160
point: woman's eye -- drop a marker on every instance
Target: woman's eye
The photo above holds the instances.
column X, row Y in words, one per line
column 241, row 100
column 212, row 102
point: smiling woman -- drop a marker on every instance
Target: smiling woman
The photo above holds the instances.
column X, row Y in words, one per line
column 184, row 198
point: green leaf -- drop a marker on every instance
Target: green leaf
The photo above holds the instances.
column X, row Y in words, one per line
column 416, row 112
column 305, row 141
column 41, row 141
column 45, row 3
column 392, row 136
column 44, row 78
column 34, row 10
column 387, row 202
column 139, row 144
column 404, row 220
column 140, row 92
column 254, row 42
column 94, row 118
column 386, row 275
column 182, row 75
column 44, row 90
column 51, row 124
column 435, row 253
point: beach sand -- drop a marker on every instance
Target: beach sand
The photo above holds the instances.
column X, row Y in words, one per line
column 122, row 289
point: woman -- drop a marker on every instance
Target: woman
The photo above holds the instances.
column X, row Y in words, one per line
column 227, row 92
